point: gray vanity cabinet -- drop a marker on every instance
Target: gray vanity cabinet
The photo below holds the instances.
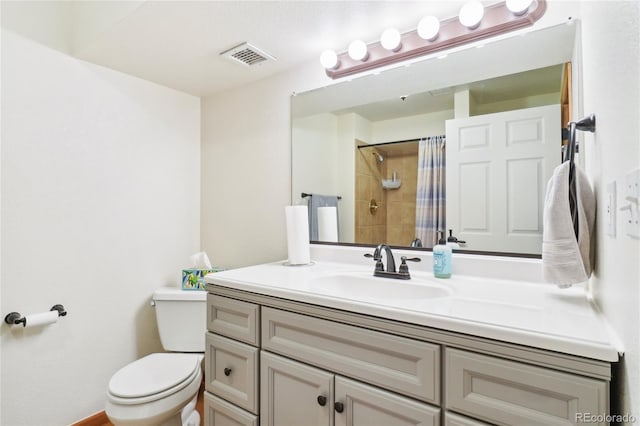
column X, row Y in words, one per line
column 295, row 394
column 278, row 362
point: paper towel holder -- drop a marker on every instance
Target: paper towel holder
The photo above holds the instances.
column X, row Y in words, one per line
column 15, row 318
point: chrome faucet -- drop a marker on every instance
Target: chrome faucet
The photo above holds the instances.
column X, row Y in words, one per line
column 390, row 272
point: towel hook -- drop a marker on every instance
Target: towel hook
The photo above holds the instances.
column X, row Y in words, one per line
column 587, row 124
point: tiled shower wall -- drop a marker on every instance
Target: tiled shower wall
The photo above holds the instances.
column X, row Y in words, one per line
column 394, row 221
column 401, row 202
column 371, row 228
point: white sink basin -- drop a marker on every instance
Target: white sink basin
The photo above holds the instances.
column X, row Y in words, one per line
column 367, row 288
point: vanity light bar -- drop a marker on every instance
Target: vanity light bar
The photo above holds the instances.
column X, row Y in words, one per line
column 497, row 19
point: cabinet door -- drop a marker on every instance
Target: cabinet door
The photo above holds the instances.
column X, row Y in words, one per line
column 357, row 404
column 294, row 394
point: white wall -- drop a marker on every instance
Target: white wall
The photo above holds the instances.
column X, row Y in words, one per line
column 611, row 66
column 411, row 127
column 100, row 206
column 317, row 145
column 246, row 168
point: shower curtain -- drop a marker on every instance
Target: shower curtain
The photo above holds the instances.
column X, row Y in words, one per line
column 431, row 191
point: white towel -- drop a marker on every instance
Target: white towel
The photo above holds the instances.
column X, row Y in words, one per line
column 565, row 260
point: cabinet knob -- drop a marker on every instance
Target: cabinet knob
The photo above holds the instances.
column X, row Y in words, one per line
column 227, row 371
column 322, row 400
column 339, row 407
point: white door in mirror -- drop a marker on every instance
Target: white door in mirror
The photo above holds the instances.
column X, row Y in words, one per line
column 497, row 170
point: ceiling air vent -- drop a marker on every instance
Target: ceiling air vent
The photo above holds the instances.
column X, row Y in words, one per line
column 247, row 55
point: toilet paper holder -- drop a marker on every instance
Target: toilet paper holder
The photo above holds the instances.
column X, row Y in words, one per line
column 15, row 318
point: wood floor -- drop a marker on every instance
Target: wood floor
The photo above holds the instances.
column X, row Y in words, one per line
column 101, row 419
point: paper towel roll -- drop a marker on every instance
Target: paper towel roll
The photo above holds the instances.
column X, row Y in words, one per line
column 298, row 234
column 328, row 224
column 43, row 318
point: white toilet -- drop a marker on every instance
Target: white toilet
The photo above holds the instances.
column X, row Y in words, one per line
column 162, row 388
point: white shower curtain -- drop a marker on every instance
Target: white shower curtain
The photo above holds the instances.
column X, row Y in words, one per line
column 431, row 191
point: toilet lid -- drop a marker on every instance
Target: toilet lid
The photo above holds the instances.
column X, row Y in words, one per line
column 153, row 374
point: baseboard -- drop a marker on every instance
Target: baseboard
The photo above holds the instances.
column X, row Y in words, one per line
column 98, row 419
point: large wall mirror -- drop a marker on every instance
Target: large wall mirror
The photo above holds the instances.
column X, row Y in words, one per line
column 476, row 132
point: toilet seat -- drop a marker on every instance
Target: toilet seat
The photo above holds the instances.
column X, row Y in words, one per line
column 153, row 377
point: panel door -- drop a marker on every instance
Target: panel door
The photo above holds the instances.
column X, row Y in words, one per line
column 497, row 169
column 357, row 404
column 294, row 394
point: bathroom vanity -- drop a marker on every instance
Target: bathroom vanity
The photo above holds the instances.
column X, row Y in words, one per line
column 327, row 344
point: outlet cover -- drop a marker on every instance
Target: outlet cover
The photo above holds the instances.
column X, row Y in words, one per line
column 632, row 203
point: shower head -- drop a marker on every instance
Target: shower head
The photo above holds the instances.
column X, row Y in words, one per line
column 379, row 158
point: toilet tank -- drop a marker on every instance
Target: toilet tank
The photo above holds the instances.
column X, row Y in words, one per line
column 182, row 319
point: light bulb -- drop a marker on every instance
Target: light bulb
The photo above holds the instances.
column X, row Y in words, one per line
column 518, row 7
column 329, row 59
column 391, row 39
column 428, row 28
column 471, row 14
column 358, row 50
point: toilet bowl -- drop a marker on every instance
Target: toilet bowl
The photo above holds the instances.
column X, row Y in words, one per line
column 154, row 390
column 162, row 388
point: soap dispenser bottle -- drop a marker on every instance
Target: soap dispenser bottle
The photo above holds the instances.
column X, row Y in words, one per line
column 452, row 241
column 442, row 258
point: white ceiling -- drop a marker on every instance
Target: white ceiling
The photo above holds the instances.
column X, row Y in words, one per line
column 177, row 43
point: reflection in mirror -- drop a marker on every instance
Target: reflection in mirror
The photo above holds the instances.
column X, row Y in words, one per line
column 465, row 143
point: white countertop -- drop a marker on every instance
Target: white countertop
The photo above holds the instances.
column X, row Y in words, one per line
column 526, row 313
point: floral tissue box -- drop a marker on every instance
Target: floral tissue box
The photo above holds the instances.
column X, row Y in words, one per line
column 193, row 279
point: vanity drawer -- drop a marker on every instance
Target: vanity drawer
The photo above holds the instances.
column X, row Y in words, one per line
column 511, row 393
column 406, row 366
column 233, row 318
column 451, row 419
column 218, row 412
column 231, row 371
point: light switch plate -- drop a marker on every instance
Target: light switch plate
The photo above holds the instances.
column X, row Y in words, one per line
column 610, row 209
column 632, row 203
